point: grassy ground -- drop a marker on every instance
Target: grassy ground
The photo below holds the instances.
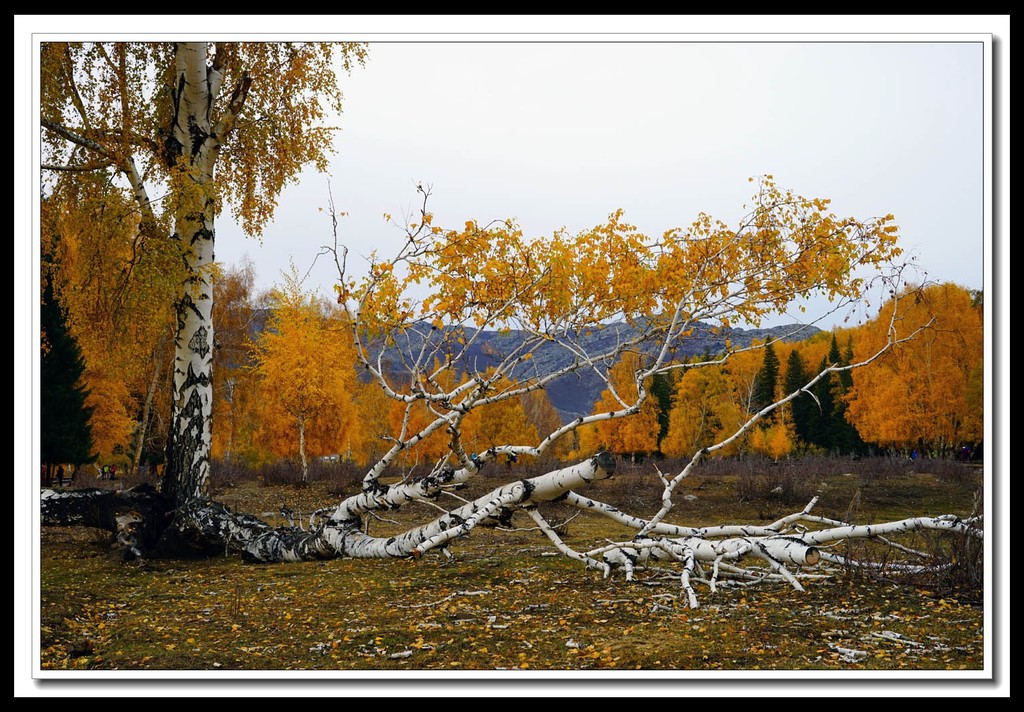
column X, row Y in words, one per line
column 507, row 602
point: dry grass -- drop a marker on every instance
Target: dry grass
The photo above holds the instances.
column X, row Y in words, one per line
column 505, row 602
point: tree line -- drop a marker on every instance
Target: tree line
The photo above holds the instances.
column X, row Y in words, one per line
column 286, row 383
column 926, row 396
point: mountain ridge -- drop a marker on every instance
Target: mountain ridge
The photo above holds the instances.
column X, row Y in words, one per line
column 574, row 394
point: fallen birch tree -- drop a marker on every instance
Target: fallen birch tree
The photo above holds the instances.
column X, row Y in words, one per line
column 557, row 291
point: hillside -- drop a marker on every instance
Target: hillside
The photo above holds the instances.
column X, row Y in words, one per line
column 574, row 395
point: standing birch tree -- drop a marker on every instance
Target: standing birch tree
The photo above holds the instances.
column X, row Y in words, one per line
column 183, row 129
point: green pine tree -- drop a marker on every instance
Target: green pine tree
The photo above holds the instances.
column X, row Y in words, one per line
column 803, row 407
column 661, row 390
column 845, row 437
column 830, row 430
column 846, row 377
column 766, row 380
column 821, row 421
column 65, row 433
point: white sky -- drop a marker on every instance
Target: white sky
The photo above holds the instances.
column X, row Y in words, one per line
column 561, row 133
column 879, row 113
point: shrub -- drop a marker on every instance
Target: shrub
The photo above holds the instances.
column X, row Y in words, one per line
column 790, row 482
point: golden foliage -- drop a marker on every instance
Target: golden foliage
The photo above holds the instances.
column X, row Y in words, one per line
column 698, row 417
column 115, row 182
column 925, row 390
column 276, row 100
column 304, row 360
column 113, row 416
column 235, row 389
column 787, row 246
column 635, row 434
column 117, row 284
column 503, row 422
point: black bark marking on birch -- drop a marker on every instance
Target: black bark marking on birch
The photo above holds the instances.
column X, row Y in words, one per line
column 172, row 146
column 199, row 343
column 179, row 314
column 208, row 111
column 183, row 443
column 353, row 524
column 203, row 233
column 184, row 304
column 768, row 556
column 184, row 257
column 453, row 520
column 527, row 490
column 794, row 539
column 195, row 379
column 197, row 134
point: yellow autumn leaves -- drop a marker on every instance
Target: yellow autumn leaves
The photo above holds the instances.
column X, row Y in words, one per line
column 304, row 360
column 787, row 246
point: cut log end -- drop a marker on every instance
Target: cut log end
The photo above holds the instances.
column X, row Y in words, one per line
column 606, row 461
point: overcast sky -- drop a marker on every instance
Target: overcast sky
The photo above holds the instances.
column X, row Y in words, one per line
column 561, row 133
column 559, row 130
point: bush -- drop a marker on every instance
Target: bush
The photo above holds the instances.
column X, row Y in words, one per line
column 790, row 482
column 225, row 474
column 953, row 566
column 343, row 478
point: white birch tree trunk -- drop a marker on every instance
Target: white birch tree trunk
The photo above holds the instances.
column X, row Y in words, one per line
column 302, row 449
column 341, row 535
column 190, row 151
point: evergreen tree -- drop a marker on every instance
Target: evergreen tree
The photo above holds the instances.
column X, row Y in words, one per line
column 831, row 430
column 846, row 377
column 65, row 434
column 821, row 422
column 661, row 389
column 766, row 380
column 803, row 407
column 845, row 438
